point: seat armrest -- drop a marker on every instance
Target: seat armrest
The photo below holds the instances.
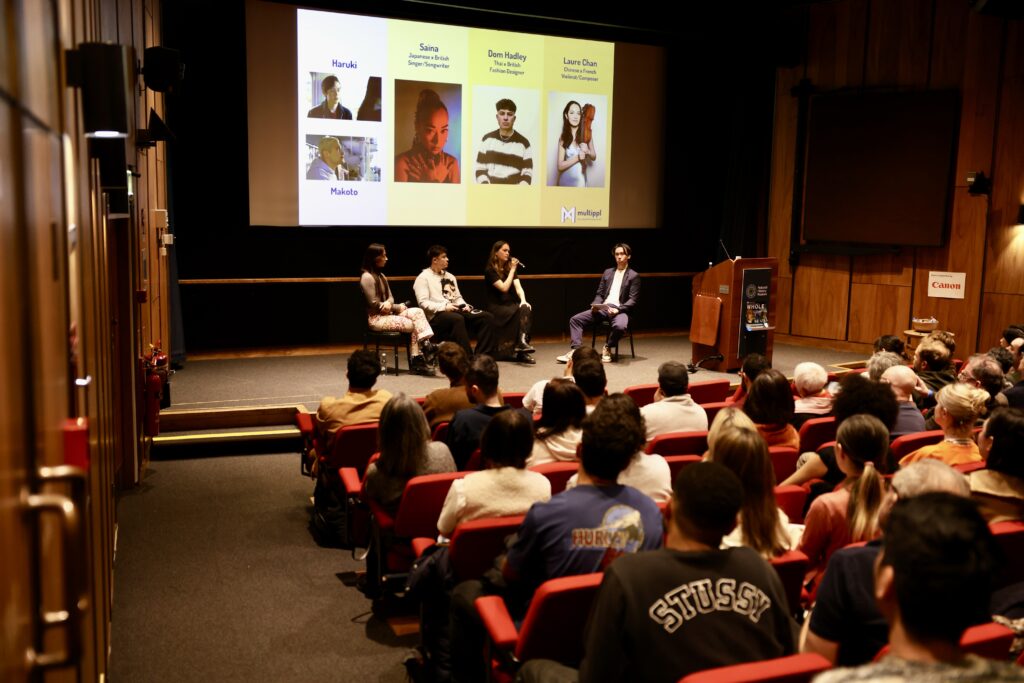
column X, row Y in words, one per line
column 304, row 421
column 350, row 481
column 500, row 628
column 420, row 545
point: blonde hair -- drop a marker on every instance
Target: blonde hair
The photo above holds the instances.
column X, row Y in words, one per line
column 864, row 440
column 744, row 451
column 963, row 403
column 725, row 420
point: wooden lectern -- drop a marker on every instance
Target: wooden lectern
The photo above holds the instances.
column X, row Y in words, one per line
column 734, row 307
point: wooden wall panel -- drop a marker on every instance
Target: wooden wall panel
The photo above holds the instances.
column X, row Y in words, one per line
column 37, row 30
column 782, row 303
column 963, row 254
column 949, row 44
column 877, row 310
column 835, row 44
column 898, row 43
column 780, row 197
column 821, row 296
column 885, row 269
column 997, row 312
column 980, row 88
column 1005, row 258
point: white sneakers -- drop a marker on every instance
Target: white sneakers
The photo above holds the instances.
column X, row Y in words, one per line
column 606, row 355
column 564, row 358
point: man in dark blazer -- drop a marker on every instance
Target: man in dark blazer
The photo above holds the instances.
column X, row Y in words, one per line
column 616, row 296
column 331, row 107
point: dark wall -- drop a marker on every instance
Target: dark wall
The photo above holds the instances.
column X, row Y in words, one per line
column 717, row 138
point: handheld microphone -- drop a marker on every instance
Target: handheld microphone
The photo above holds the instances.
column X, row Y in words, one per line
column 521, row 265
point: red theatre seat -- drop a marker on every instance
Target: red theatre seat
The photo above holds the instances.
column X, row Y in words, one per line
column 991, row 641
column 558, row 473
column 790, row 500
column 679, row 443
column 642, row 394
column 783, row 461
column 514, row 398
column 352, row 447
column 677, row 462
column 440, row 432
column 709, row 391
column 908, row 443
column 791, row 669
column 791, row 567
column 553, row 627
column 815, row 432
column 474, row 545
column 712, row 409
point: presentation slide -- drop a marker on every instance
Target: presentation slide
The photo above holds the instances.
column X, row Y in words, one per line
column 410, row 123
column 357, row 120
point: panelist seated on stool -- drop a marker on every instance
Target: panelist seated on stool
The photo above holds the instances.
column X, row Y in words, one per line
column 617, row 295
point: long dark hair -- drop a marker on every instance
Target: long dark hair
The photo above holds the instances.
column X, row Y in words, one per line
column 564, row 406
column 426, row 104
column 566, row 138
column 493, row 262
column 380, row 283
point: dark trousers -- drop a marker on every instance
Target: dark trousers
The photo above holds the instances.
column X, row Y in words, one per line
column 588, row 318
column 456, row 326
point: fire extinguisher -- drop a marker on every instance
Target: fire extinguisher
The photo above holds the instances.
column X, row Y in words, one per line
column 156, row 370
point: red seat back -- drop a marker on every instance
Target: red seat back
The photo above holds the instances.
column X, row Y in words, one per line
column 712, row 409
column 677, row 462
column 709, row 391
column 514, row 398
column 440, row 432
column 783, row 461
column 790, row 500
column 679, row 443
column 475, row 462
column 908, row 443
column 476, row 543
column 991, row 641
column 1010, row 537
column 353, row 446
column 642, row 394
column 968, row 467
column 554, row 625
column 791, row 568
column 421, row 504
column 791, row 669
column 558, row 473
column 817, row 431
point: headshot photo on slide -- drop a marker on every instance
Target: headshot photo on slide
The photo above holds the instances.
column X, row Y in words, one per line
column 331, row 157
column 428, row 132
column 577, row 128
column 506, row 133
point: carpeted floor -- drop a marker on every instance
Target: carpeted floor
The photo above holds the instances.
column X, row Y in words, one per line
column 294, row 380
column 218, row 579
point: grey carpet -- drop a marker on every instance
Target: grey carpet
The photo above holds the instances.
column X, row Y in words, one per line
column 294, row 380
column 218, row 579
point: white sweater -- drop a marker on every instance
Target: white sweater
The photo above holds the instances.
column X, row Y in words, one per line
column 492, row 493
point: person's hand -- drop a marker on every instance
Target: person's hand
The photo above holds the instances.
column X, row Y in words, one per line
column 612, row 312
column 527, row 304
column 400, row 308
column 515, row 263
column 436, row 171
column 451, row 307
column 921, row 387
column 385, row 308
column 584, row 150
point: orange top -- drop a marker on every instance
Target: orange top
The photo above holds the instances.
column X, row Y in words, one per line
column 946, row 451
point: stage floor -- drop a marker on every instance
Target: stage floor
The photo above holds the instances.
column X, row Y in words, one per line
column 305, row 379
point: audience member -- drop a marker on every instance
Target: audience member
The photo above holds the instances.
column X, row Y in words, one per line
column 882, row 361
column 726, row 420
column 770, row 405
column 1014, row 396
column 1015, row 374
column 647, row 473
column 933, row 364
column 999, row 488
column 857, row 394
column 902, row 380
column 406, row 451
column 959, row 407
column 762, row 525
column 360, row 404
column 667, row 613
column 753, row 365
column 845, row 626
column 441, row 405
column 591, row 379
column 534, row 398
column 673, row 410
column 850, row 513
column 1005, row 360
column 558, row 431
column 890, row 343
column 813, row 400
column 936, row 544
column 468, row 424
column 505, row 487
column 579, row 531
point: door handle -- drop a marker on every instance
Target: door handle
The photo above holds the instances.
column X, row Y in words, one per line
column 73, row 570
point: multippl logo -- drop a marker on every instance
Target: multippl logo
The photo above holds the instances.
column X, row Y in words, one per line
column 572, row 214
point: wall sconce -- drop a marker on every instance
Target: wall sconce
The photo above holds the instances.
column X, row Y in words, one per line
column 103, row 72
